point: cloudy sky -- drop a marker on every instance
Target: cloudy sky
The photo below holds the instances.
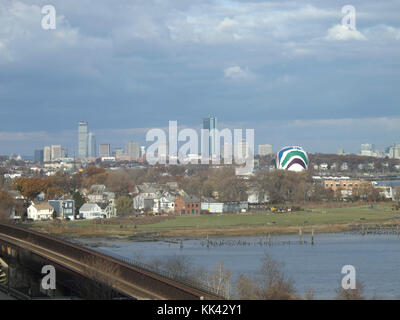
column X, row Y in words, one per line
column 288, row 69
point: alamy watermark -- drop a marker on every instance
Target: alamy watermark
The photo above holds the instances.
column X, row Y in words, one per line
column 49, row 18
column 49, row 280
column 349, row 17
column 349, row 280
column 236, row 148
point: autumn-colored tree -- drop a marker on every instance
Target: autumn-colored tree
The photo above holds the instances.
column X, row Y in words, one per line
column 95, row 176
column 6, row 204
column 30, row 187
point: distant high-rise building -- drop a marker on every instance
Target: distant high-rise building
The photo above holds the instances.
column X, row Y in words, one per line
column 163, row 150
column 39, row 155
column 210, row 123
column 242, row 150
column 46, row 154
column 55, row 152
column 340, row 152
column 83, row 139
column 104, row 150
column 64, row 152
column 264, row 149
column 133, row 149
column 394, row 151
column 92, row 152
column 117, row 152
column 367, row 149
column 142, row 151
column 226, row 151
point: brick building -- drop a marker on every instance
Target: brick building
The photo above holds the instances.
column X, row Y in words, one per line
column 187, row 205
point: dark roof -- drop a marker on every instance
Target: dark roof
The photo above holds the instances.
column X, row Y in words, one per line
column 190, row 199
column 102, row 205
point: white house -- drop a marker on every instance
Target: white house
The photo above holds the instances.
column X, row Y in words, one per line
column 255, row 196
column 108, row 209
column 91, row 211
column 40, row 211
column 164, row 204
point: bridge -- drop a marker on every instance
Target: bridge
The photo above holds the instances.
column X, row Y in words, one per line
column 130, row 278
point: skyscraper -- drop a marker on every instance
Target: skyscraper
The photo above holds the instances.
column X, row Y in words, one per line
column 367, row 149
column 39, row 155
column 55, row 152
column 210, row 123
column 133, row 149
column 46, row 154
column 142, row 151
column 82, row 140
column 92, row 152
column 104, row 150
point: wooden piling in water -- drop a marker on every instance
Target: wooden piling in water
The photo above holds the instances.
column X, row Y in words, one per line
column 312, row 236
column 300, row 236
column 181, row 244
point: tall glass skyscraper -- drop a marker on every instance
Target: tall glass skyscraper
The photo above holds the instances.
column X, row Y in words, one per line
column 210, row 123
column 92, row 152
column 39, row 155
column 82, row 140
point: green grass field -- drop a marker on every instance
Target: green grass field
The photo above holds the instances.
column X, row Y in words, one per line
column 307, row 218
column 316, row 217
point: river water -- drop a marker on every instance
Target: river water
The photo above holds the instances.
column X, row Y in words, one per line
column 376, row 258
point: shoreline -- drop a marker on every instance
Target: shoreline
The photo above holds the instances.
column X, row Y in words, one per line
column 223, row 232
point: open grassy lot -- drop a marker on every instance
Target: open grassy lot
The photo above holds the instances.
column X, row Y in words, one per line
column 321, row 219
column 321, row 216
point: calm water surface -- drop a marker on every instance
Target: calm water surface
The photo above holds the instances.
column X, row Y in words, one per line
column 375, row 257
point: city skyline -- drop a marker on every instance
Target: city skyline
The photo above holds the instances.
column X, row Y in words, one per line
column 134, row 148
column 123, row 144
column 306, row 80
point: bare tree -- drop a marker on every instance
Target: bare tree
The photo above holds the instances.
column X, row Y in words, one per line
column 309, row 294
column 269, row 284
column 219, row 280
column 351, row 294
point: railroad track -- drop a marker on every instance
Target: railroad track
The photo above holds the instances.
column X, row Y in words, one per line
column 136, row 281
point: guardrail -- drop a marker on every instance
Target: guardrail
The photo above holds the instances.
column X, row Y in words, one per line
column 142, row 275
column 166, row 274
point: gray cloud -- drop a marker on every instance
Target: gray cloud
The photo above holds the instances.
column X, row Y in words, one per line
column 137, row 64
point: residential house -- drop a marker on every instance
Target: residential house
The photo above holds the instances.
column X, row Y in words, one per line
column 108, row 209
column 257, row 196
column 63, row 208
column 96, row 192
column 91, row 211
column 158, row 197
column 40, row 211
column 385, row 191
column 165, row 204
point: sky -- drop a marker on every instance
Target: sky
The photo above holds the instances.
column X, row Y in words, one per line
column 287, row 69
